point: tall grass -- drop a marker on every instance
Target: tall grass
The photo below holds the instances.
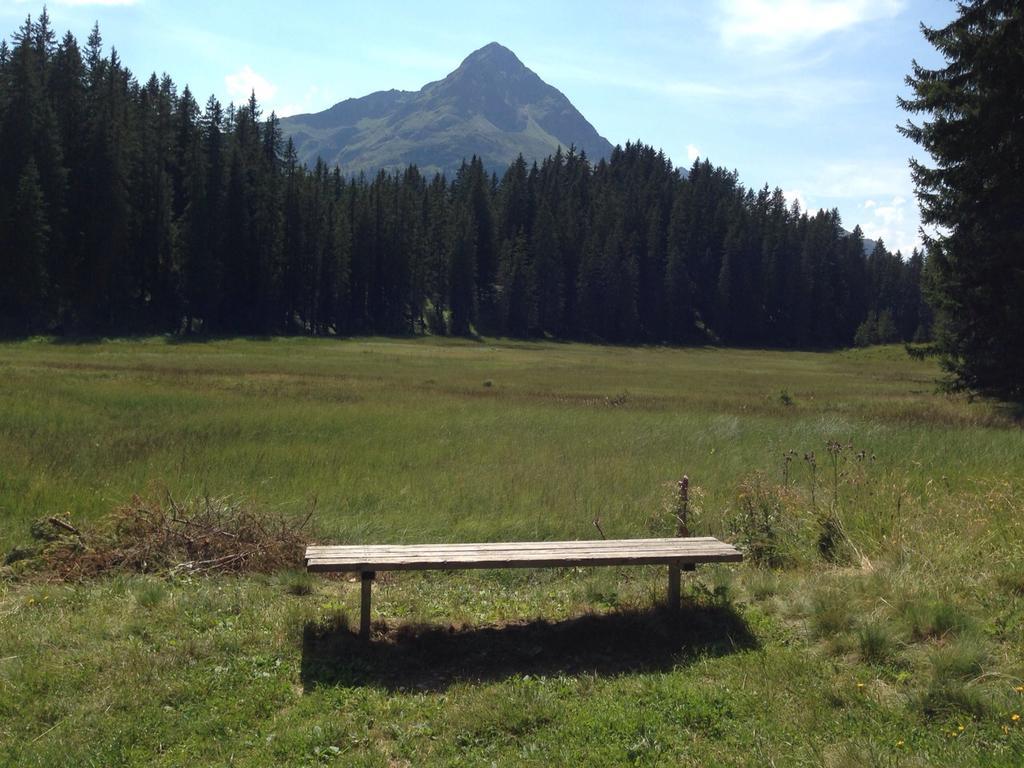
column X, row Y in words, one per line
column 400, row 441
column 898, row 636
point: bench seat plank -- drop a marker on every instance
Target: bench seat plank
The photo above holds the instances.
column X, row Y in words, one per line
column 523, row 554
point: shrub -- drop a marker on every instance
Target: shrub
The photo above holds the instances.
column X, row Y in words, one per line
column 936, row 619
column 758, row 523
column 830, row 613
column 867, row 331
column 951, row 687
column 941, row 699
column 957, row 661
column 876, row 644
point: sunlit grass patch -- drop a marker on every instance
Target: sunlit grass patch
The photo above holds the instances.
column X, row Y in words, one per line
column 874, row 657
column 830, row 612
column 761, row 584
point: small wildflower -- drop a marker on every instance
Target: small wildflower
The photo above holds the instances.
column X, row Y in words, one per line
column 900, row 743
column 1015, row 717
column 1019, row 689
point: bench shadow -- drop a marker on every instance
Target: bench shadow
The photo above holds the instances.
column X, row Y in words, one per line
column 432, row 658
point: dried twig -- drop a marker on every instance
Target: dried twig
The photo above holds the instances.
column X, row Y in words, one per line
column 201, row 536
column 63, row 525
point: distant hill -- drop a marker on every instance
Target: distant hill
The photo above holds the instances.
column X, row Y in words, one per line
column 491, row 106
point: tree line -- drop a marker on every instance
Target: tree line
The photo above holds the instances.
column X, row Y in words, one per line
column 125, row 207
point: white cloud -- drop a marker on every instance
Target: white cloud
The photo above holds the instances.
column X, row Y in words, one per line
column 242, row 83
column 876, row 195
column 692, row 153
column 786, row 94
column 864, row 180
column 893, row 222
column 772, row 25
column 891, row 215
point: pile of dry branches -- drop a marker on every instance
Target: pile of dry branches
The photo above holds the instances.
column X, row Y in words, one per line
column 149, row 536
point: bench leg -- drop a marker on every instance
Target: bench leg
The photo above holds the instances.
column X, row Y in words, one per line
column 366, row 577
column 673, row 587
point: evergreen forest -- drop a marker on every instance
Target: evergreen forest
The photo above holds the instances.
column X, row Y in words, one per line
column 126, row 207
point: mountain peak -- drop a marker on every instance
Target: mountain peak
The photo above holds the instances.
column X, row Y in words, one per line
column 491, row 106
column 493, row 54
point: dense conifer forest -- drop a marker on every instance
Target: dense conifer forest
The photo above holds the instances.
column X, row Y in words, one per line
column 126, row 207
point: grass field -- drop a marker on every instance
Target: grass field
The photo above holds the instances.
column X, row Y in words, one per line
column 890, row 630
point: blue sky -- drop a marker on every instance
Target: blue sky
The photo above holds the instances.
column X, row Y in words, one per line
column 800, row 94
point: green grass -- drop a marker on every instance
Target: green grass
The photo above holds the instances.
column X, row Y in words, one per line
column 905, row 651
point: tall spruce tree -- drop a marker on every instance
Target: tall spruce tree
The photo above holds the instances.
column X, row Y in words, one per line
column 974, row 192
column 23, row 268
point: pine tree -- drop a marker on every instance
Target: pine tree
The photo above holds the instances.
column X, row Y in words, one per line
column 521, row 311
column 679, row 288
column 462, row 278
column 435, row 252
column 23, row 269
column 154, row 230
column 29, row 132
column 547, row 272
column 975, row 191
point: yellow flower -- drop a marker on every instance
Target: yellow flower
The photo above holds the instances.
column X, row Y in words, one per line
column 1019, row 689
column 961, row 727
column 1015, row 717
column 899, row 743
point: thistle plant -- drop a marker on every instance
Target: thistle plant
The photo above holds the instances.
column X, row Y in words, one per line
column 787, row 459
column 812, row 464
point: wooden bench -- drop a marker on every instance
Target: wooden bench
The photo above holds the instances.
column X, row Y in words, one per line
column 677, row 553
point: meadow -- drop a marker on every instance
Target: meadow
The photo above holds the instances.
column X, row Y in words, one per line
column 878, row 620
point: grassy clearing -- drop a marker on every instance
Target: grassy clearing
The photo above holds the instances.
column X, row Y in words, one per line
column 883, row 625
